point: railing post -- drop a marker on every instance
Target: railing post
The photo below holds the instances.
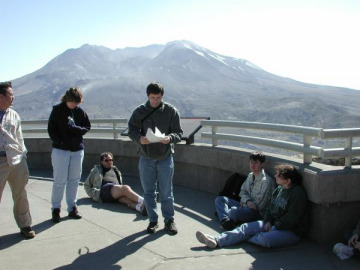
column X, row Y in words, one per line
column 214, row 131
column 115, row 133
column 307, row 144
column 348, row 147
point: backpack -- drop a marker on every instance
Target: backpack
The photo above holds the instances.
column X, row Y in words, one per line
column 232, row 186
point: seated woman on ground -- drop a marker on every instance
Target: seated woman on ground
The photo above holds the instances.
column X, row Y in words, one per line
column 104, row 184
column 285, row 222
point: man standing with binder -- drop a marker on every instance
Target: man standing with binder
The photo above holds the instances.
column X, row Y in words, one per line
column 156, row 164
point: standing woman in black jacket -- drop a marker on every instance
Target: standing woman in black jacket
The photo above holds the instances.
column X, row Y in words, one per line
column 67, row 125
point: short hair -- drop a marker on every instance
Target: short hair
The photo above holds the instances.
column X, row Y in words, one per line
column 74, row 94
column 4, row 87
column 289, row 172
column 105, row 154
column 257, row 156
column 155, row 88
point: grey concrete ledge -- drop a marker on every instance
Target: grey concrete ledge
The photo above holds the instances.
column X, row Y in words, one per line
column 334, row 192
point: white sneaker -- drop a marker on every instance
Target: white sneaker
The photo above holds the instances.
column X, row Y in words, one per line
column 343, row 251
column 206, row 239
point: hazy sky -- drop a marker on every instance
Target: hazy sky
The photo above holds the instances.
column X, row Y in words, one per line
column 308, row 40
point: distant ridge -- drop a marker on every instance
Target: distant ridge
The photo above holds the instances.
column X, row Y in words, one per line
column 199, row 82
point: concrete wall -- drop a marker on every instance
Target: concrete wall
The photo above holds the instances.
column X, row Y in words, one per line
column 334, row 192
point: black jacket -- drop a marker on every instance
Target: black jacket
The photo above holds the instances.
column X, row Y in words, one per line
column 63, row 135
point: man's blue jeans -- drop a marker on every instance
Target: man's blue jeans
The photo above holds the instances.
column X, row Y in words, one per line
column 223, row 205
column 231, row 209
column 242, row 214
column 153, row 173
column 254, row 232
column 67, row 167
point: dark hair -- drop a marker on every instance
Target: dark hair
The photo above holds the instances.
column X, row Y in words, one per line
column 105, row 154
column 155, row 88
column 257, row 156
column 4, row 87
column 289, row 172
column 74, row 94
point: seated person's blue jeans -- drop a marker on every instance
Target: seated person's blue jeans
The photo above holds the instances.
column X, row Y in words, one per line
column 223, row 205
column 254, row 232
column 242, row 214
column 227, row 208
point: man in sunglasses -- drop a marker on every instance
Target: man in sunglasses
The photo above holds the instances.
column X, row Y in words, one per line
column 104, row 184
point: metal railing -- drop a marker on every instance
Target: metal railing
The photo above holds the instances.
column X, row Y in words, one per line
column 113, row 127
column 306, row 148
column 348, row 151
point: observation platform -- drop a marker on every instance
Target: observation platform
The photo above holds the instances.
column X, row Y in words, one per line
column 112, row 236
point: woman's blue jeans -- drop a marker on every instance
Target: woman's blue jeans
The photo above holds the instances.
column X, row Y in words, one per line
column 153, row 174
column 254, row 232
column 67, row 168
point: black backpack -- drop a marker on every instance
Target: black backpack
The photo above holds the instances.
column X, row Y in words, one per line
column 232, row 186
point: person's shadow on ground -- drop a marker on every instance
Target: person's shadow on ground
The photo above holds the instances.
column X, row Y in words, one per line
column 9, row 240
column 108, row 257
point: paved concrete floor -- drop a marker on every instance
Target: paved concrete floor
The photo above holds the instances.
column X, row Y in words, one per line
column 112, row 236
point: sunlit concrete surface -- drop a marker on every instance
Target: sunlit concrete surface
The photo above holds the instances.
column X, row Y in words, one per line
column 112, row 236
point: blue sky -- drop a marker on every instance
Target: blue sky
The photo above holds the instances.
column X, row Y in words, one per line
column 308, row 40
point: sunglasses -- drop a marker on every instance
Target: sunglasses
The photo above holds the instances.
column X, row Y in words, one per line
column 107, row 160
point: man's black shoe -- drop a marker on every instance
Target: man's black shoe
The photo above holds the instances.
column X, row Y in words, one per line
column 170, row 227
column 152, row 227
column 75, row 213
column 56, row 215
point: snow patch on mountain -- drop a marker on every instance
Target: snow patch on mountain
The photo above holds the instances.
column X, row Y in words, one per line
column 219, row 58
column 188, row 46
column 252, row 65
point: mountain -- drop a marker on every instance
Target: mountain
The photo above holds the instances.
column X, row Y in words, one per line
column 197, row 81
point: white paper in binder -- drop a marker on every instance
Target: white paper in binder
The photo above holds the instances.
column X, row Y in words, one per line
column 154, row 137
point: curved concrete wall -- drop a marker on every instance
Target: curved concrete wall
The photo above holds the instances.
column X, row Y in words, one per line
column 334, row 192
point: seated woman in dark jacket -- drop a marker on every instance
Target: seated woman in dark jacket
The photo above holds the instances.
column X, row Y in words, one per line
column 285, row 222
